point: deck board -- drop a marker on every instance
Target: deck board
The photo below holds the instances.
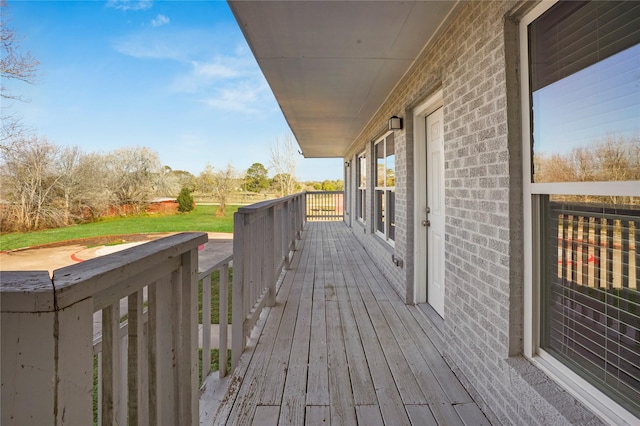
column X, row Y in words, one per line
column 340, row 347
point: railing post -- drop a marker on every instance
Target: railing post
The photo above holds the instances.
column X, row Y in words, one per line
column 237, row 308
column 223, row 321
column 46, row 354
column 188, row 339
column 270, row 252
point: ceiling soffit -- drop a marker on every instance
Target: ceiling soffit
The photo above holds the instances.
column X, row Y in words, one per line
column 331, row 64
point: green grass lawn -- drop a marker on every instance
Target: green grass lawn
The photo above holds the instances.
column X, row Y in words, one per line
column 203, row 219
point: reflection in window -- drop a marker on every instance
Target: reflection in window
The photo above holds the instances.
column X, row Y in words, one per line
column 585, row 107
column 361, row 176
column 590, row 292
column 385, row 179
column 586, row 113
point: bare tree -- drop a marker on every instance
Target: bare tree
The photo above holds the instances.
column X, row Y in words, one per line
column 206, row 180
column 283, row 160
column 70, row 181
column 225, row 183
column 14, row 65
column 613, row 158
column 131, row 175
column 29, row 182
column 167, row 184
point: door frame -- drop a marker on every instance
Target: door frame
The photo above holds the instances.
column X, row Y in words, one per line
column 420, row 114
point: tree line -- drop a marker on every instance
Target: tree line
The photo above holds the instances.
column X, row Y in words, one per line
column 613, row 158
column 45, row 185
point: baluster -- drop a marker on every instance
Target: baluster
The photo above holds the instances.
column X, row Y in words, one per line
column 566, row 250
column 625, row 247
column 135, row 356
column 597, row 233
column 223, row 319
column 206, row 325
column 271, row 256
column 111, row 371
column 584, row 250
column 610, row 248
column 636, row 242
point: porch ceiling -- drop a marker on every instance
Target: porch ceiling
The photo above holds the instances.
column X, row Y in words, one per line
column 331, row 64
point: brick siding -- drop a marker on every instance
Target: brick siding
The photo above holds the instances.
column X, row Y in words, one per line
column 483, row 298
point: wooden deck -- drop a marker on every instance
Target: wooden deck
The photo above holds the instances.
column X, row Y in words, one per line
column 341, row 348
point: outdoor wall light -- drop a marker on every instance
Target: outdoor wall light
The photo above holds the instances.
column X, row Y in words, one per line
column 395, row 123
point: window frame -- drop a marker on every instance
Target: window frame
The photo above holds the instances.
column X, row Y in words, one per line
column 361, row 188
column 386, row 191
column 533, row 198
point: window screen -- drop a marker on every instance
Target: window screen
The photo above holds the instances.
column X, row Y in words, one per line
column 591, row 297
column 585, row 111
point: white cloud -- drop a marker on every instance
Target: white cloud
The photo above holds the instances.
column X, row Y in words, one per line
column 165, row 43
column 249, row 97
column 159, row 21
column 130, row 4
column 228, row 80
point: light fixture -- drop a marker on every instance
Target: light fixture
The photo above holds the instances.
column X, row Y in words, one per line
column 395, row 123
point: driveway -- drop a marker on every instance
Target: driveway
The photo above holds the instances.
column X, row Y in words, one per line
column 220, row 245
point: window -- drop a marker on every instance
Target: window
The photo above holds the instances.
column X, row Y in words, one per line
column 582, row 195
column 361, row 177
column 385, row 189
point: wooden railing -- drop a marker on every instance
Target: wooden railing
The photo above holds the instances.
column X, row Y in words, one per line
column 264, row 237
column 591, row 297
column 597, row 247
column 48, row 340
column 131, row 320
column 325, row 205
column 204, row 277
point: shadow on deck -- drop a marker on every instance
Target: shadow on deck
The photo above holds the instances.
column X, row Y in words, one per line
column 340, row 347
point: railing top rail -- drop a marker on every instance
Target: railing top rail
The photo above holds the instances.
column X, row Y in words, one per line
column 257, row 207
column 594, row 209
column 34, row 291
column 218, row 265
column 26, row 291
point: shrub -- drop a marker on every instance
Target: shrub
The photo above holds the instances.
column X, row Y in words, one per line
column 185, row 201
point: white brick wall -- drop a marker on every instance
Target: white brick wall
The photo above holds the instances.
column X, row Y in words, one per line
column 483, row 299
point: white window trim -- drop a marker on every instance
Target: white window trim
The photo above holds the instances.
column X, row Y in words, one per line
column 584, row 391
column 383, row 235
column 359, row 201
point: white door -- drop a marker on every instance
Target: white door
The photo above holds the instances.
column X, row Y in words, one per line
column 435, row 217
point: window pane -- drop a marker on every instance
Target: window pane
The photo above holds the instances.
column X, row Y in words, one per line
column 590, row 295
column 587, row 126
column 392, row 215
column 362, row 172
column 380, row 211
column 585, row 97
column 380, row 164
column 391, row 162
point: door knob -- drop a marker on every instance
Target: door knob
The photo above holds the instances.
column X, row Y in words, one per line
column 426, row 223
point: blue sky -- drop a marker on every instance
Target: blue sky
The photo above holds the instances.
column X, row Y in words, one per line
column 586, row 107
column 175, row 76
